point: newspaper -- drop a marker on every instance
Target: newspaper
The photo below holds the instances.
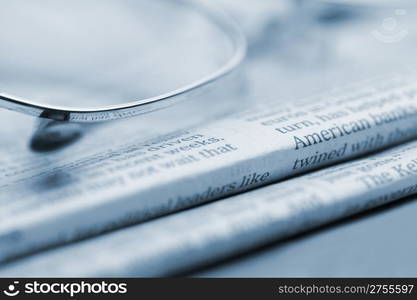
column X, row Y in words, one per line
column 218, row 230
column 47, row 201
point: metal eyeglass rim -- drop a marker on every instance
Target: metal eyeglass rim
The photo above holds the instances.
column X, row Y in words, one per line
column 131, row 109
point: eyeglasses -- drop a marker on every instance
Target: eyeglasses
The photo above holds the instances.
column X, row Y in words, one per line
column 65, row 14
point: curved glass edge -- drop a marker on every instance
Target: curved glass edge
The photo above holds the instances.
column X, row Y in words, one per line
column 143, row 106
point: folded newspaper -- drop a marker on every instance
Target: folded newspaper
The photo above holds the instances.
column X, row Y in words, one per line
column 45, row 203
column 218, row 230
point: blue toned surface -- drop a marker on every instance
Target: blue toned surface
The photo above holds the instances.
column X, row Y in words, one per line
column 380, row 243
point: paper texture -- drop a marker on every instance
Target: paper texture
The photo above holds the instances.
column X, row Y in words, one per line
column 53, row 200
column 218, row 230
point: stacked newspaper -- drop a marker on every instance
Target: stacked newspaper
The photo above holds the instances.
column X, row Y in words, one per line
column 52, row 201
column 218, row 230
